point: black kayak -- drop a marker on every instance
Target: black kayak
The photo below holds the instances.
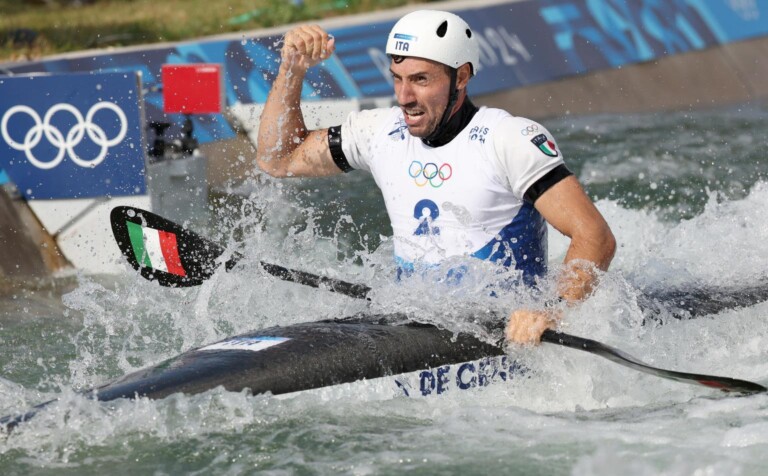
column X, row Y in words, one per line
column 300, row 357
column 306, row 356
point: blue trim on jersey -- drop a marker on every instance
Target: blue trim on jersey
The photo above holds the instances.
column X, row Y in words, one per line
column 523, row 241
column 406, row 269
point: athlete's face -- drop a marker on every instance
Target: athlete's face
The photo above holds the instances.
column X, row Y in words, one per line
column 421, row 88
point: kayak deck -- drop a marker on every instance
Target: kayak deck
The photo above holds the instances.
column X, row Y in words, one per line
column 300, row 357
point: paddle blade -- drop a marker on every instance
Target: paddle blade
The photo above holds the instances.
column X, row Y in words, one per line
column 161, row 250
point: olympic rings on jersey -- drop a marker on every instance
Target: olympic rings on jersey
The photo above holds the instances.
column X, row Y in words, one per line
column 430, row 173
column 73, row 137
column 529, row 130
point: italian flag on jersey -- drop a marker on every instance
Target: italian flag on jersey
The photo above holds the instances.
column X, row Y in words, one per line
column 156, row 249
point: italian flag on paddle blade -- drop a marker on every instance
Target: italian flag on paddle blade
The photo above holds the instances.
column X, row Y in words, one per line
column 156, row 249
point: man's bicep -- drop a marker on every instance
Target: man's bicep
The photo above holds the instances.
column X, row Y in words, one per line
column 566, row 206
column 313, row 157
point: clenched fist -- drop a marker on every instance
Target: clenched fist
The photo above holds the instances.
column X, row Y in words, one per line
column 305, row 46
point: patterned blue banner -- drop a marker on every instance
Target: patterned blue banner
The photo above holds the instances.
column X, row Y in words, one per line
column 522, row 43
column 532, row 42
column 72, row 135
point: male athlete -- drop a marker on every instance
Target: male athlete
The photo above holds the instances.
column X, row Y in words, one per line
column 457, row 180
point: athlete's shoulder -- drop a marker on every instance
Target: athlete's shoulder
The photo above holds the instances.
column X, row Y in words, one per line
column 504, row 125
column 375, row 122
column 379, row 115
column 489, row 115
column 524, row 151
column 366, row 124
column 365, row 131
column 512, row 127
column 515, row 132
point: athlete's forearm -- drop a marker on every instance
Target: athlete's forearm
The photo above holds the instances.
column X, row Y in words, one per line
column 569, row 209
column 282, row 128
column 586, row 256
column 583, row 261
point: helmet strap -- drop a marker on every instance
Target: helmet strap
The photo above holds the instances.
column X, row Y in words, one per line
column 447, row 129
column 453, row 95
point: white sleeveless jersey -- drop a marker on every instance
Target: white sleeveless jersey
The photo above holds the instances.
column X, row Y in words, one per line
column 461, row 199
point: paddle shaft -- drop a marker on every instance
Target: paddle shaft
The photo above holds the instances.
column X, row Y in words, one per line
column 359, row 291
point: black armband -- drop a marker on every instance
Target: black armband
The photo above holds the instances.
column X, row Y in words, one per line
column 334, row 144
column 546, row 182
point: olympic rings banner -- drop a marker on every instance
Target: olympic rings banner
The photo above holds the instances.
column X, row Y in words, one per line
column 73, row 135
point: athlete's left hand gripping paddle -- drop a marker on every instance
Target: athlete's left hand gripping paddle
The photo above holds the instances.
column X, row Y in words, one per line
column 164, row 251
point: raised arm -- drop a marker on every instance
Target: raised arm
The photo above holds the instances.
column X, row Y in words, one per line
column 285, row 147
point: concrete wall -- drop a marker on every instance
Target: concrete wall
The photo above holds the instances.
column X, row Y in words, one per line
column 728, row 74
column 26, row 249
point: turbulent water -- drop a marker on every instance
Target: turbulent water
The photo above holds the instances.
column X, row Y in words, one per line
column 685, row 194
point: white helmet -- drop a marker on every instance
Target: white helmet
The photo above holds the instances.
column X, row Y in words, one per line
column 437, row 36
